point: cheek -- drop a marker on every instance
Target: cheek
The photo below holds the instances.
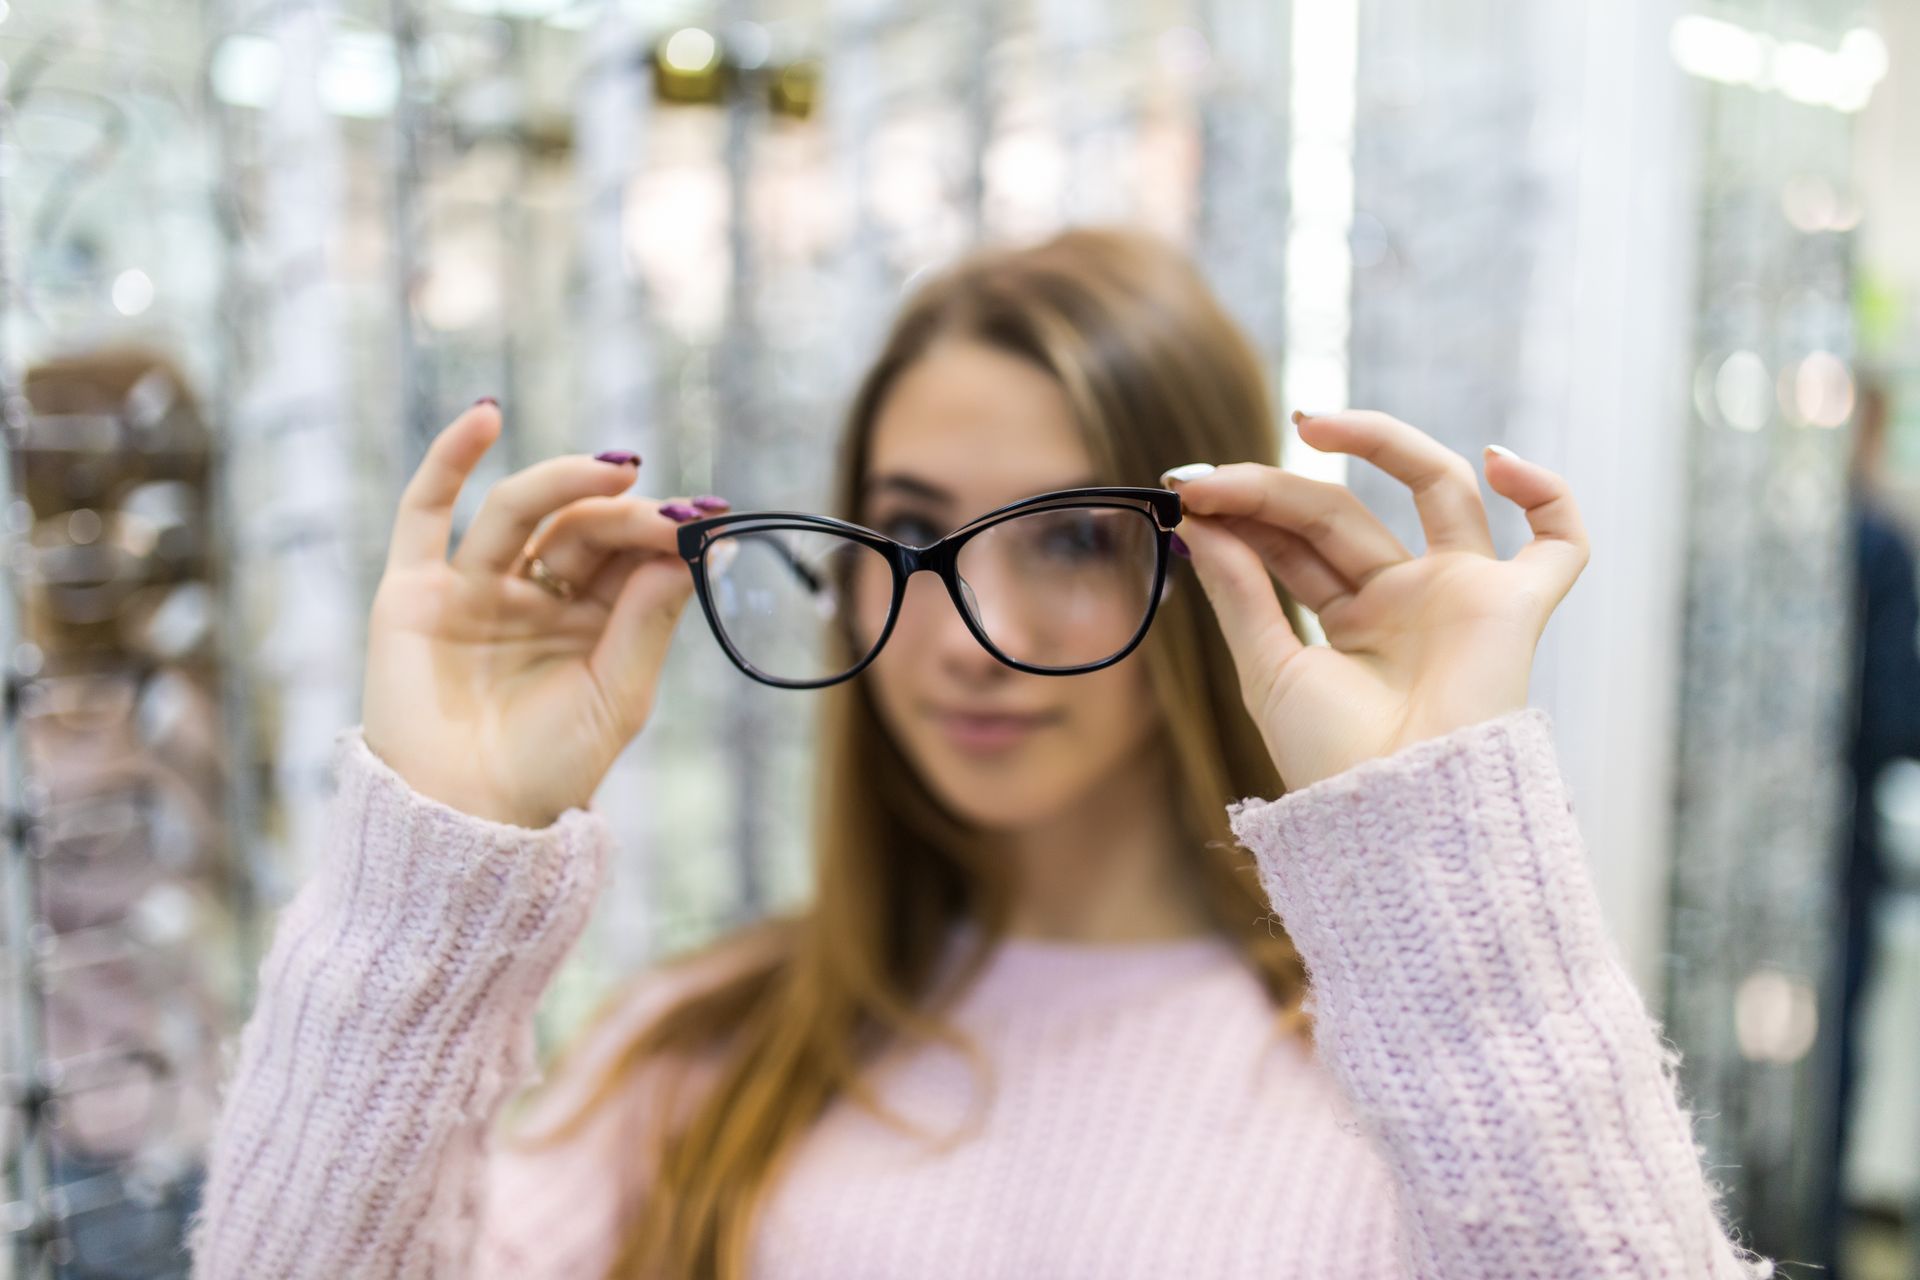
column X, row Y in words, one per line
column 1111, row 714
column 869, row 595
column 900, row 665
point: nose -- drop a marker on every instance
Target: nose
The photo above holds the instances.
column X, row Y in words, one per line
column 937, row 631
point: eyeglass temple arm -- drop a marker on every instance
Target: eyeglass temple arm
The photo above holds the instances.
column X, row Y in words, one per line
column 813, row 581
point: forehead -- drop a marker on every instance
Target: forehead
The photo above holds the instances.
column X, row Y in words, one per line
column 983, row 424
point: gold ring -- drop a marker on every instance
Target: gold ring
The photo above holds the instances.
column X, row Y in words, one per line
column 555, row 585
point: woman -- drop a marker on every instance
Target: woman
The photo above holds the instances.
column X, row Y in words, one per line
column 1039, row 1020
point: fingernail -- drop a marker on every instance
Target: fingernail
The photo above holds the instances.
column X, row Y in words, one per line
column 488, row 400
column 1192, row 471
column 679, row 511
column 708, row 502
column 1503, row 451
column 619, row 457
column 1179, row 547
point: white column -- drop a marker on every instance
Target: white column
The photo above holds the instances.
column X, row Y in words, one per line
column 1603, row 400
column 297, row 423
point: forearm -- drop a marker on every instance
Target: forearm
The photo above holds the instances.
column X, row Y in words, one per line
column 1467, row 996
column 394, row 1018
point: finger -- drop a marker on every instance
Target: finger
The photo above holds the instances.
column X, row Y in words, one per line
column 514, row 508
column 1338, row 525
column 1445, row 490
column 1289, row 557
column 627, row 659
column 1559, row 549
column 578, row 540
column 607, row 581
column 424, row 522
column 1242, row 594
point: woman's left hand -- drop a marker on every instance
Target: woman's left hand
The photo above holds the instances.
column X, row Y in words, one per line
column 1416, row 646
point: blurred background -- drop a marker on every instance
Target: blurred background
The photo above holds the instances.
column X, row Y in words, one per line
column 253, row 253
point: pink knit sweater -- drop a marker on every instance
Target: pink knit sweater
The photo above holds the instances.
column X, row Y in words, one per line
column 1487, row 1098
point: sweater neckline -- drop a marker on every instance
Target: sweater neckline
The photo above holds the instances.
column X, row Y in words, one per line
column 1055, row 977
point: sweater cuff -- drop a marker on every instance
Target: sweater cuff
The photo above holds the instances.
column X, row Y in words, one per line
column 394, row 1018
column 1457, row 856
column 1467, row 996
column 437, row 876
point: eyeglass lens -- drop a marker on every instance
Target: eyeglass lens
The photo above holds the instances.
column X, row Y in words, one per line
column 1055, row 588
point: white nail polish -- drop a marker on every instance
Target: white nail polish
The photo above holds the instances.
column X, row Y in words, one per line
column 1192, row 471
column 1503, row 451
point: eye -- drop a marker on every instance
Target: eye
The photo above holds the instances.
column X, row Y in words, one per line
column 1078, row 537
column 915, row 531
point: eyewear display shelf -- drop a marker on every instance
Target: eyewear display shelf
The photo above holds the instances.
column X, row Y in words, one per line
column 121, row 882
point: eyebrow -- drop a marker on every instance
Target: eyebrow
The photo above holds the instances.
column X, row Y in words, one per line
column 913, row 486
column 908, row 485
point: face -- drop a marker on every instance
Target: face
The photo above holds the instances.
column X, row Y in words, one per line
column 964, row 430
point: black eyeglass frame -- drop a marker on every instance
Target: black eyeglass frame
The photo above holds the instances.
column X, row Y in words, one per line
column 696, row 537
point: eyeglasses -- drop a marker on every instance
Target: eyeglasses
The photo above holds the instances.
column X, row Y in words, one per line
column 1059, row 584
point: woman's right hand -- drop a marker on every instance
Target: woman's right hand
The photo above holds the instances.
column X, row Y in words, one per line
column 485, row 690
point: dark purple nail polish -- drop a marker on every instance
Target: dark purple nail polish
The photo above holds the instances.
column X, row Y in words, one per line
column 1179, row 547
column 488, row 400
column 709, row 503
column 679, row 511
column 619, row 457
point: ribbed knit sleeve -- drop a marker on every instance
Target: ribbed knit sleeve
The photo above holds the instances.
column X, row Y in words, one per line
column 1468, row 998
column 394, row 1017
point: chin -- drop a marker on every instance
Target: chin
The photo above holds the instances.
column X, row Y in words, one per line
column 996, row 810
column 994, row 795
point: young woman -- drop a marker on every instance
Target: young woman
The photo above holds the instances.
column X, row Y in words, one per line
column 1040, row 1019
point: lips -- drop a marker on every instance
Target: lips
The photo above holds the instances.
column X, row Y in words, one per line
column 979, row 731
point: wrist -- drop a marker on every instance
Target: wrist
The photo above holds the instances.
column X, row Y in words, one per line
column 460, row 793
column 494, row 809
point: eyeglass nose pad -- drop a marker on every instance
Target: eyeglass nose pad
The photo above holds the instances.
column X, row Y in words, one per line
column 973, row 602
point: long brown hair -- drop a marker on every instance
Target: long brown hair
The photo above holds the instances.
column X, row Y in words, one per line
column 1158, row 376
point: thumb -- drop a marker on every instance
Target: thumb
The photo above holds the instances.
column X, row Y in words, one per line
column 639, row 630
column 1243, row 597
